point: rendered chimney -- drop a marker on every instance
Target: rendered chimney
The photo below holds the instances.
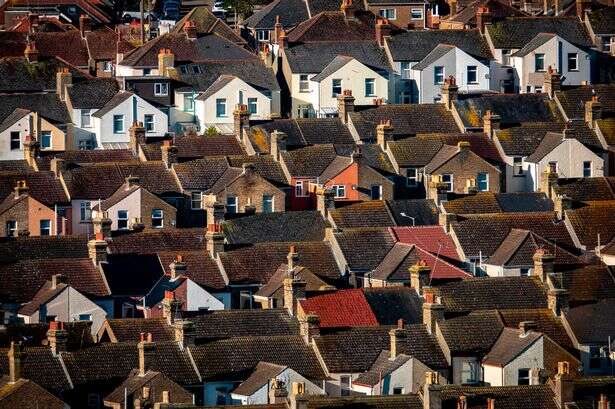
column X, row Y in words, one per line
column 552, row 82
column 325, row 201
column 63, row 80
column 292, row 258
column 277, row 144
column 177, row 267
column 21, row 188
column 57, row 337
column 56, row 280
column 215, row 240
column 170, row 307
column 433, row 311
column 101, row 223
column 294, row 290
column 137, row 137
column 419, row 276
column 16, row 354
column 450, row 91
column 85, row 25
column 147, row 350
column 184, row 333
column 166, row 60
column 349, row 10
column 345, row 105
column 97, row 249
column 397, row 337
column 309, row 327
column 544, row 264
column 169, row 153
column 593, row 111
column 384, row 133
column 214, row 209
column 484, row 16
column 31, row 52
column 491, row 123
column 563, row 385
column 241, row 121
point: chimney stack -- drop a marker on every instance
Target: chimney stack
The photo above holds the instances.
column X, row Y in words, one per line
column 97, row 249
column 348, row 9
column 57, row 337
column 445, row 220
column 170, row 306
column 85, row 25
column 101, row 223
column 397, row 337
column 432, row 394
column 278, row 394
column 241, row 120
column 603, row 403
column 450, row 91
column 177, row 267
column 535, row 377
column 277, row 29
column 325, row 200
column 384, row 133
column 190, row 30
column 582, row 7
column 433, row 312
column 525, row 327
column 57, row 166
column 345, row 105
column 147, row 350
column 483, row 18
column 214, row 209
column 21, row 188
column 564, row 388
column 593, row 111
column 31, row 148
column 16, row 353
column 548, row 179
column 184, row 333
column 63, row 80
column 277, row 144
column 292, row 258
column 383, row 30
column 419, row 276
column 137, row 137
column 166, row 60
column 169, row 153
column 294, row 290
column 56, row 280
column 283, row 40
column 437, row 190
column 552, row 82
column 544, row 264
column 490, row 403
column 557, row 300
column 491, row 123
column 31, row 52
column 215, row 240
column 309, row 327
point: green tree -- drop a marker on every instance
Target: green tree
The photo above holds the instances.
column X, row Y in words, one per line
column 211, row 131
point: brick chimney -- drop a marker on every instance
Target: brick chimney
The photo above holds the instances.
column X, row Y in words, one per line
column 525, row 327
column 419, row 276
column 383, row 30
column 241, row 120
column 63, row 79
column 177, row 267
column 215, row 240
column 31, row 52
column 190, row 30
column 277, row 144
column 433, row 311
column 563, row 385
column 345, row 105
column 450, row 91
column 561, row 203
column 101, row 223
column 557, row 300
column 57, row 337
column 57, row 166
column 484, row 16
column 552, row 82
column 170, row 306
column 56, row 280
column 603, row 403
column 169, row 153
column 309, row 327
column 214, row 209
column 548, row 179
column 384, row 133
column 471, row 188
column 97, row 249
column 593, row 111
column 397, row 337
column 432, row 394
column 147, row 350
column 31, row 149
column 292, row 259
column 544, row 263
column 294, row 290
column 445, row 220
column 85, row 25
column 349, row 9
column 166, row 60
column 278, row 394
column 16, row 354
column 325, row 200
column 32, row 23
column 283, row 40
column 490, row 403
column 21, row 188
column 137, row 137
column 184, row 333
column 437, row 190
column 491, row 123
column 535, row 376
column 582, row 7
column 298, row 398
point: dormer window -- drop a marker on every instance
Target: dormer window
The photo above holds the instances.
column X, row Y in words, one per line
column 539, row 62
column 161, row 89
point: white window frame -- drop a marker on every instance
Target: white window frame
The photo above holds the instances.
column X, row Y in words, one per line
column 333, row 87
column 47, row 228
column 272, row 199
column 159, row 218
column 371, row 192
column 304, row 83
column 161, row 89
column 436, row 79
column 590, row 168
column 188, row 102
column 232, row 202
column 450, row 183
column 575, row 58
column 85, row 211
column 146, row 122
column 18, row 140
column 123, row 128
column 486, row 179
column 420, row 11
column 11, row 228
column 123, row 220
column 47, row 134
column 196, row 197
column 263, row 36
column 412, row 181
column 371, row 81
column 469, row 367
column 405, row 70
column 221, row 102
column 388, row 13
column 340, row 191
column 252, row 101
column 86, row 113
column 536, row 62
column 472, row 68
column 517, row 166
column 300, row 190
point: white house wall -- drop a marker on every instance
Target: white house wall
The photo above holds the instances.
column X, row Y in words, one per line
column 23, row 127
column 199, row 298
column 532, row 357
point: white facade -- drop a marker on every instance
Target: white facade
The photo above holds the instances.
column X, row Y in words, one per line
column 457, row 63
column 503, row 271
column 84, row 131
column 78, row 208
column 408, row 378
column 197, row 298
column 21, row 127
column 69, row 306
column 570, row 61
column 515, row 183
column 104, row 128
column 260, row 103
column 531, row 357
column 569, row 157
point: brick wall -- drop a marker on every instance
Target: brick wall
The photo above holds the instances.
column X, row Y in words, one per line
column 467, row 165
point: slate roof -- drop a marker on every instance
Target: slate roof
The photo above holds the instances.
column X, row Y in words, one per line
column 414, row 152
column 19, row 75
column 43, row 248
column 43, row 162
column 383, row 366
column 211, row 47
column 332, row 26
column 314, row 57
column 274, row 288
column 364, row 248
column 389, row 304
column 276, row 227
column 156, row 381
column 482, row 234
column 113, row 102
column 509, row 345
column 336, row 64
column 485, row 326
column 43, row 296
column 200, row 174
column 191, row 147
column 534, row 43
column 590, row 221
column 586, row 284
column 103, row 44
column 239, row 264
column 512, row 108
column 423, row 211
column 572, row 100
column 49, row 106
column 207, row 23
column 371, row 213
column 434, row 55
column 79, row 334
column 492, row 293
column 551, row 141
column 545, row 320
column 40, row 366
column 406, row 119
column 234, row 359
column 252, row 71
column 25, row 393
column 101, row 180
column 201, row 268
column 415, row 45
column 409, row 401
column 586, row 189
column 309, row 161
column 261, row 376
column 341, row 309
column 506, row 397
column 523, row 140
column 515, row 32
column 489, row 202
column 500, row 10
column 149, row 242
column 602, row 21
column 92, row 94
column 301, row 132
column 592, row 323
column 43, row 186
column 264, row 165
column 291, row 12
column 130, row 329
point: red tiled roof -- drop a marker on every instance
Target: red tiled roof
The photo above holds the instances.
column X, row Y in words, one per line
column 341, row 309
column 430, row 238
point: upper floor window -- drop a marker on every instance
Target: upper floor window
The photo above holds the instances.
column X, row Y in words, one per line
column 405, row 70
column 161, row 89
column 370, row 87
column 340, row 190
column 469, row 372
column 147, row 71
column 304, row 84
column 196, row 69
column 262, row 35
column 606, row 43
column 11, row 228
column 220, row 107
column 416, row 14
column 472, row 74
column 539, row 62
column 573, row 62
column 189, row 102
column 336, row 87
column 118, row 123
column 45, row 139
column 157, row 218
column 517, row 166
column 376, row 192
column 447, row 179
column 524, row 376
column 85, row 212
column 300, row 188
column 267, row 203
column 506, row 53
column 45, row 227
column 122, row 219
column 252, row 106
column 15, row 140
column 86, row 118
column 107, row 66
column 196, row 200
column 231, row 204
column 482, row 182
column 390, row 14
column 587, row 169
column 438, row 75
column 148, row 122
column 411, row 177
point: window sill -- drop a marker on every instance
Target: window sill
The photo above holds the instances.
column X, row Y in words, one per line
column 573, row 70
column 518, row 176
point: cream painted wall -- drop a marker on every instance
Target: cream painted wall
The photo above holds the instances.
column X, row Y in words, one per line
column 23, row 127
column 131, row 203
